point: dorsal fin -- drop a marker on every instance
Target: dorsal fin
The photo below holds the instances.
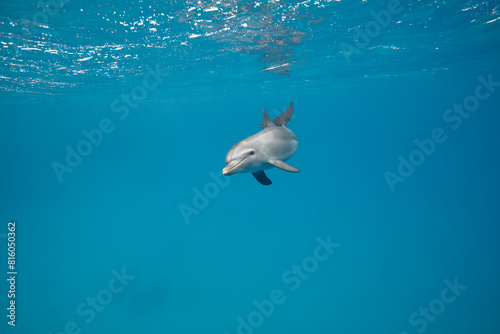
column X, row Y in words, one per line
column 285, row 116
column 281, row 120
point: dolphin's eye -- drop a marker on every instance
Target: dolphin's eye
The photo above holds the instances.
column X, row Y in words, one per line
column 251, row 152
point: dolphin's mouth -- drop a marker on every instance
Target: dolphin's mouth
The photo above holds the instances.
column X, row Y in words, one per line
column 230, row 167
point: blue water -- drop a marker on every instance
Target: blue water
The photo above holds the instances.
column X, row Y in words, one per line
column 115, row 120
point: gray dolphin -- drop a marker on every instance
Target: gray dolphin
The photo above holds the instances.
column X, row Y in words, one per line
column 266, row 149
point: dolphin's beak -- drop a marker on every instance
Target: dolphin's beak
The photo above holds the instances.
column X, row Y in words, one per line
column 231, row 166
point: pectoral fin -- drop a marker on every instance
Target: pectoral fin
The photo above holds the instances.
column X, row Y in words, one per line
column 283, row 165
column 262, row 177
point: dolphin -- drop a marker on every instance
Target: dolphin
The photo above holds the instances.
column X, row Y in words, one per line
column 266, row 149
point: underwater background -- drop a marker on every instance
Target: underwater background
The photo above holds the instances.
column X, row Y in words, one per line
column 115, row 119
